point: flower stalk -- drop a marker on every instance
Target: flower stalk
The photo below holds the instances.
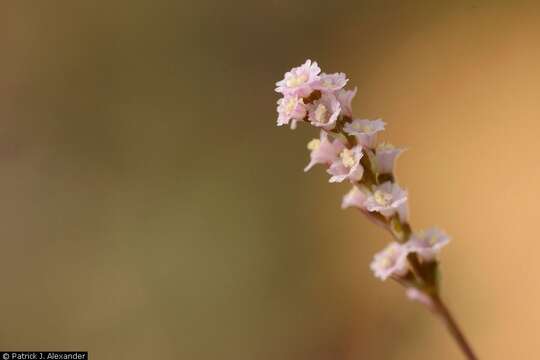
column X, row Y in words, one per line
column 350, row 150
column 452, row 326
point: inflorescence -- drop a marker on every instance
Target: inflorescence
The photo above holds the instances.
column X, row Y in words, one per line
column 349, row 149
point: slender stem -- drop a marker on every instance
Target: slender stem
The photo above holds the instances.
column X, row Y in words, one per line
column 440, row 308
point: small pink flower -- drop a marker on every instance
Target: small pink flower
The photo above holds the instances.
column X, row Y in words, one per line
column 354, row 198
column 403, row 212
column 385, row 158
column 391, row 261
column 331, row 82
column 428, row 243
column 347, row 166
column 290, row 108
column 324, row 112
column 345, row 98
column 420, row 296
column 323, row 150
column 365, row 131
column 386, row 199
column 299, row 81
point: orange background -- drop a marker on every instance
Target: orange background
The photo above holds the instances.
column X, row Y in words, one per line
column 151, row 209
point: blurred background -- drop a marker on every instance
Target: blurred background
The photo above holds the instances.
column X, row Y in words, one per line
column 152, row 210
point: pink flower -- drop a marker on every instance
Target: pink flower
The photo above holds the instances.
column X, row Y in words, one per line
column 386, row 199
column 290, row 108
column 345, row 98
column 300, row 80
column 323, row 151
column 365, row 131
column 385, row 158
column 354, row 198
column 324, row 112
column 347, row 166
column 420, row 296
column 391, row 261
column 428, row 243
column 331, row 82
column 403, row 212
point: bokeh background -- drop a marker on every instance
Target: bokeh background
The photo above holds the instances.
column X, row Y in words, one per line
column 152, row 210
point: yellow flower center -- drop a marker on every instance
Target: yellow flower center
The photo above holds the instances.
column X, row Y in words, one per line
column 385, row 263
column 363, row 128
column 382, row 198
column 290, row 105
column 347, row 158
column 314, row 144
column 320, row 113
column 297, row 80
column 386, row 146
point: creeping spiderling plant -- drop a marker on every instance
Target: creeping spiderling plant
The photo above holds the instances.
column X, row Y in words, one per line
column 348, row 148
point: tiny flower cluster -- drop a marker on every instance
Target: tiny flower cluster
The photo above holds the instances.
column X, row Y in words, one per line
column 392, row 260
column 300, row 83
column 349, row 149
